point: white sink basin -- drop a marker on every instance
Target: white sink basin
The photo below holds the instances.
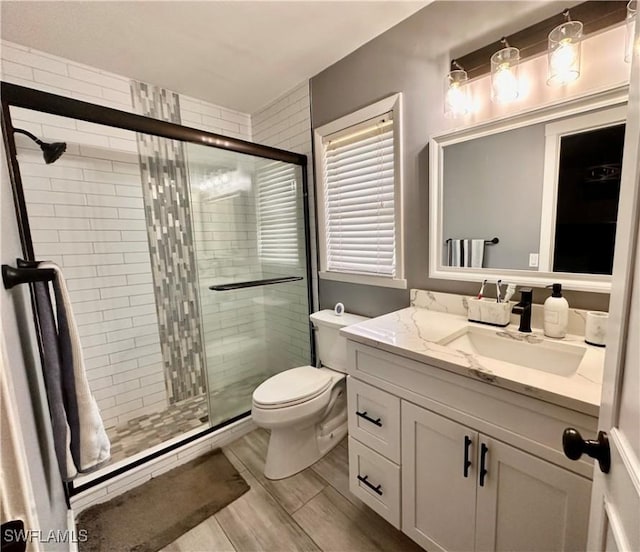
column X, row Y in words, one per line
column 528, row 350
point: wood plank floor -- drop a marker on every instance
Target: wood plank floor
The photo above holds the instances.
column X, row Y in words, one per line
column 312, row 510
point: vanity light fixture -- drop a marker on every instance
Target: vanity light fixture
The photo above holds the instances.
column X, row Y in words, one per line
column 504, row 73
column 564, row 51
column 456, row 92
column 632, row 17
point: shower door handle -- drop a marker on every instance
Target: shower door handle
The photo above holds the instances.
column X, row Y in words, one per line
column 254, row 283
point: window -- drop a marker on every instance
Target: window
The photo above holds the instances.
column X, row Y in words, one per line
column 277, row 212
column 359, row 196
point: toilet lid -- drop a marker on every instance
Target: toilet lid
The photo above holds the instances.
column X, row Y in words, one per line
column 292, row 387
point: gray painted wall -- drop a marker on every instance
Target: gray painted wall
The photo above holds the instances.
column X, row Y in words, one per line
column 26, row 375
column 493, row 188
column 413, row 58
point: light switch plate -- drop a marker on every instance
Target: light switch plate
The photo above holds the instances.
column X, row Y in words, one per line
column 533, row 259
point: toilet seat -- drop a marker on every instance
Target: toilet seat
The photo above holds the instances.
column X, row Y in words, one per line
column 292, row 387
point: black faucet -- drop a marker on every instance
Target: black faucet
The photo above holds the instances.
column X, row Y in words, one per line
column 523, row 308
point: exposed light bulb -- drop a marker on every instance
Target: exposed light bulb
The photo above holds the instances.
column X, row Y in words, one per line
column 456, row 100
column 505, row 86
column 564, row 63
column 456, row 96
column 564, row 52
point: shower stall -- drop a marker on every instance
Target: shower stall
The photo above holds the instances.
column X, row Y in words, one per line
column 186, row 256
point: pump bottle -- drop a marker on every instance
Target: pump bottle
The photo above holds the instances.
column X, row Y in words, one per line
column 556, row 313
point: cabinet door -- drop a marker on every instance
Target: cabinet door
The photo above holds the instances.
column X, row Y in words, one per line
column 438, row 500
column 525, row 503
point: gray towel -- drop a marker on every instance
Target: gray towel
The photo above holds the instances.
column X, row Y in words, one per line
column 53, row 380
column 80, row 440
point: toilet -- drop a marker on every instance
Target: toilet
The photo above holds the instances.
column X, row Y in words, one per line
column 306, row 407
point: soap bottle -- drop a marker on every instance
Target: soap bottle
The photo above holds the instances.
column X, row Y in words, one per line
column 556, row 313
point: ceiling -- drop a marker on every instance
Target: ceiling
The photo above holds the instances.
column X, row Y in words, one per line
column 239, row 54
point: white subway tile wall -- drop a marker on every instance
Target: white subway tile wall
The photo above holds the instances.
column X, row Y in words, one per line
column 286, row 124
column 84, row 235
column 43, row 71
column 86, row 214
column 212, row 118
column 110, row 285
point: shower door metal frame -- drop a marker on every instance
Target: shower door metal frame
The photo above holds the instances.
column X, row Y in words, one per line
column 45, row 102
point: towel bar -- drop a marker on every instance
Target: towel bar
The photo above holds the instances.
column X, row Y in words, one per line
column 14, row 276
column 254, row 283
column 487, row 242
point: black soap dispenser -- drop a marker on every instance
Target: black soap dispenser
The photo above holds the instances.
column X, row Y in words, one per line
column 556, row 313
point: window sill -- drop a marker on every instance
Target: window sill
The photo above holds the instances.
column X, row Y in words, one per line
column 364, row 279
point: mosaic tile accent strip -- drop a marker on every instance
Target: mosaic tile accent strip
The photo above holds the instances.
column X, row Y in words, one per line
column 165, row 184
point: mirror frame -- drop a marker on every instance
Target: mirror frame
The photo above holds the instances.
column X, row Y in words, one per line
column 596, row 283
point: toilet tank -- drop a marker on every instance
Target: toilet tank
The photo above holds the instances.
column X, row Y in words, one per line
column 331, row 347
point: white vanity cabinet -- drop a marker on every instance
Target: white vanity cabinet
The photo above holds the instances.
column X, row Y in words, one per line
column 477, row 467
column 463, row 490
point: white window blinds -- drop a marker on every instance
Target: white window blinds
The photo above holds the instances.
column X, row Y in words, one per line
column 359, row 206
column 277, row 212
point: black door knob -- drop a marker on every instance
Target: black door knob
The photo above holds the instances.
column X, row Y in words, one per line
column 575, row 446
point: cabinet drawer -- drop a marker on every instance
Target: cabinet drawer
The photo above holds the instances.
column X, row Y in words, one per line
column 375, row 480
column 374, row 418
column 524, row 422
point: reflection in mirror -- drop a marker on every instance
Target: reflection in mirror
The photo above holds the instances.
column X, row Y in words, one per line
column 547, row 188
column 587, row 205
column 493, row 187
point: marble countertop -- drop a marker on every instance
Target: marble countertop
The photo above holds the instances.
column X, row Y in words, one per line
column 414, row 333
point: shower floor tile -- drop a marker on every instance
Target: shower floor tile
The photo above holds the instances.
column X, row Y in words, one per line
column 140, row 433
column 143, row 432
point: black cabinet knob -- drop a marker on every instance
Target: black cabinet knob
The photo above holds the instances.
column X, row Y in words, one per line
column 575, row 446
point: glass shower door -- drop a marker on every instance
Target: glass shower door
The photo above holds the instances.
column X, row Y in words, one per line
column 251, row 259
column 186, row 266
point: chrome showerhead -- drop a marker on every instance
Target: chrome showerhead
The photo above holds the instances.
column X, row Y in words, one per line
column 51, row 152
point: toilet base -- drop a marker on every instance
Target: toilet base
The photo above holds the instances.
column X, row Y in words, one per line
column 291, row 450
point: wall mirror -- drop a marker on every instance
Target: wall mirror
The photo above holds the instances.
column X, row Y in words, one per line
column 532, row 198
